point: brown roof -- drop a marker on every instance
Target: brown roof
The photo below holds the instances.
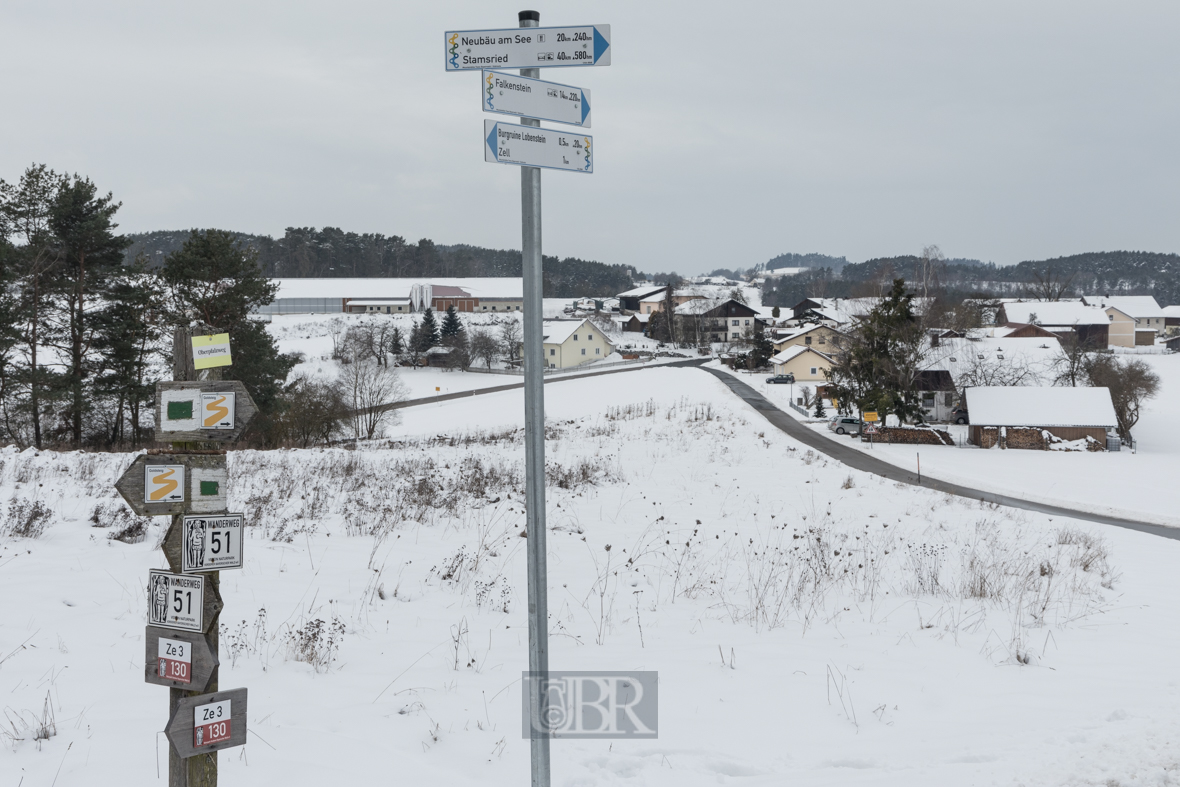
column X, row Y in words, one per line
column 446, row 291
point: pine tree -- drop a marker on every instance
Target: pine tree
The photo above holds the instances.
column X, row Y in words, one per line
column 127, row 335
column 82, row 226
column 762, row 351
column 452, row 325
column 819, row 405
column 775, row 312
column 429, row 336
column 215, row 282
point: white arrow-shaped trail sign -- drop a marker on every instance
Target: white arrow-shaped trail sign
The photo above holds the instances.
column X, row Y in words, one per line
column 528, row 47
column 509, row 94
column 530, row 146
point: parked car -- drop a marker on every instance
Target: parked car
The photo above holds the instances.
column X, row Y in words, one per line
column 842, row 424
column 959, row 416
column 781, row 378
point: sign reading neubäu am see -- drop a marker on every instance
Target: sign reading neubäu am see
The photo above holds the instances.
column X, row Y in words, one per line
column 530, row 146
column 528, row 47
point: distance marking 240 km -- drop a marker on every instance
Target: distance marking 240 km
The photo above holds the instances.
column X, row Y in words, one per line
column 528, row 47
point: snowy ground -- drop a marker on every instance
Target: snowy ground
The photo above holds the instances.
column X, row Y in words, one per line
column 1139, row 485
column 810, row 624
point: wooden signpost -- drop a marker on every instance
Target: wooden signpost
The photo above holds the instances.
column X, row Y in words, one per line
column 190, row 483
column 208, row 722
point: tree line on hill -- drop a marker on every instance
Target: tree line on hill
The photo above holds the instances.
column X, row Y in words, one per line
column 306, row 252
column 1103, row 273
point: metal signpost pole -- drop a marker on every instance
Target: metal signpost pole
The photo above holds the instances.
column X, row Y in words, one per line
column 534, row 440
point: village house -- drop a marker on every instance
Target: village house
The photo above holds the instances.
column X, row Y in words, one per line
column 819, row 336
column 570, row 343
column 1019, row 416
column 1092, row 325
column 806, row 363
column 1150, row 319
column 710, row 321
column 629, row 300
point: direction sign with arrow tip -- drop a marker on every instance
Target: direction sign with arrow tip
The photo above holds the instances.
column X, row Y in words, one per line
column 207, row 411
column 159, row 484
column 509, row 94
column 528, row 146
column 179, row 659
column 208, row 722
column 532, row 47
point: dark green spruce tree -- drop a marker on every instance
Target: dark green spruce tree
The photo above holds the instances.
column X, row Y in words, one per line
column 451, row 325
column 213, row 284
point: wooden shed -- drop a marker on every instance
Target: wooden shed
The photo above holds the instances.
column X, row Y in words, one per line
column 1016, row 416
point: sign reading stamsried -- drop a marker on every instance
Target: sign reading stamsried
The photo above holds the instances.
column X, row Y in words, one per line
column 532, row 47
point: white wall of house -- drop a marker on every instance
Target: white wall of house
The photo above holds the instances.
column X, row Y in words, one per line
column 585, row 346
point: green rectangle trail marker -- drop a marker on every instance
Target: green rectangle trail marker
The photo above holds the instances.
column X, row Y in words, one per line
column 209, row 488
column 178, row 411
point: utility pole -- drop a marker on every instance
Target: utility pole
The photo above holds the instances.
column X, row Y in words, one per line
column 534, row 441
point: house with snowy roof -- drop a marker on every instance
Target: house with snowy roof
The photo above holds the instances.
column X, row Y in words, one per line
column 1150, row 319
column 1090, row 324
column 570, row 343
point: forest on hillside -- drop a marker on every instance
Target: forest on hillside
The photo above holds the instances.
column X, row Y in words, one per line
column 330, row 252
column 1102, row 273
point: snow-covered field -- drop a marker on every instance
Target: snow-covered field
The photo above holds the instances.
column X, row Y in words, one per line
column 1140, row 485
column 810, row 624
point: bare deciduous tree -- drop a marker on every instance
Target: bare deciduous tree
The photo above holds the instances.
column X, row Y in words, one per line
column 368, row 389
column 1131, row 382
column 484, row 347
column 511, row 339
column 1048, row 285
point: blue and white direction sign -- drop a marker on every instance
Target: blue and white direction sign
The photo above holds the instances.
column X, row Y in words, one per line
column 510, row 94
column 531, row 146
column 528, row 47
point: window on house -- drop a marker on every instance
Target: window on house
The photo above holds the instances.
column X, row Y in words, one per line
column 947, row 398
column 821, row 340
column 598, row 351
column 807, row 340
column 747, row 322
column 583, row 351
column 552, row 352
column 575, row 337
column 735, row 322
column 814, row 371
column 735, row 334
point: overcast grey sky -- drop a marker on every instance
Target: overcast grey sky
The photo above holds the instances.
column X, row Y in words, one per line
column 725, row 133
